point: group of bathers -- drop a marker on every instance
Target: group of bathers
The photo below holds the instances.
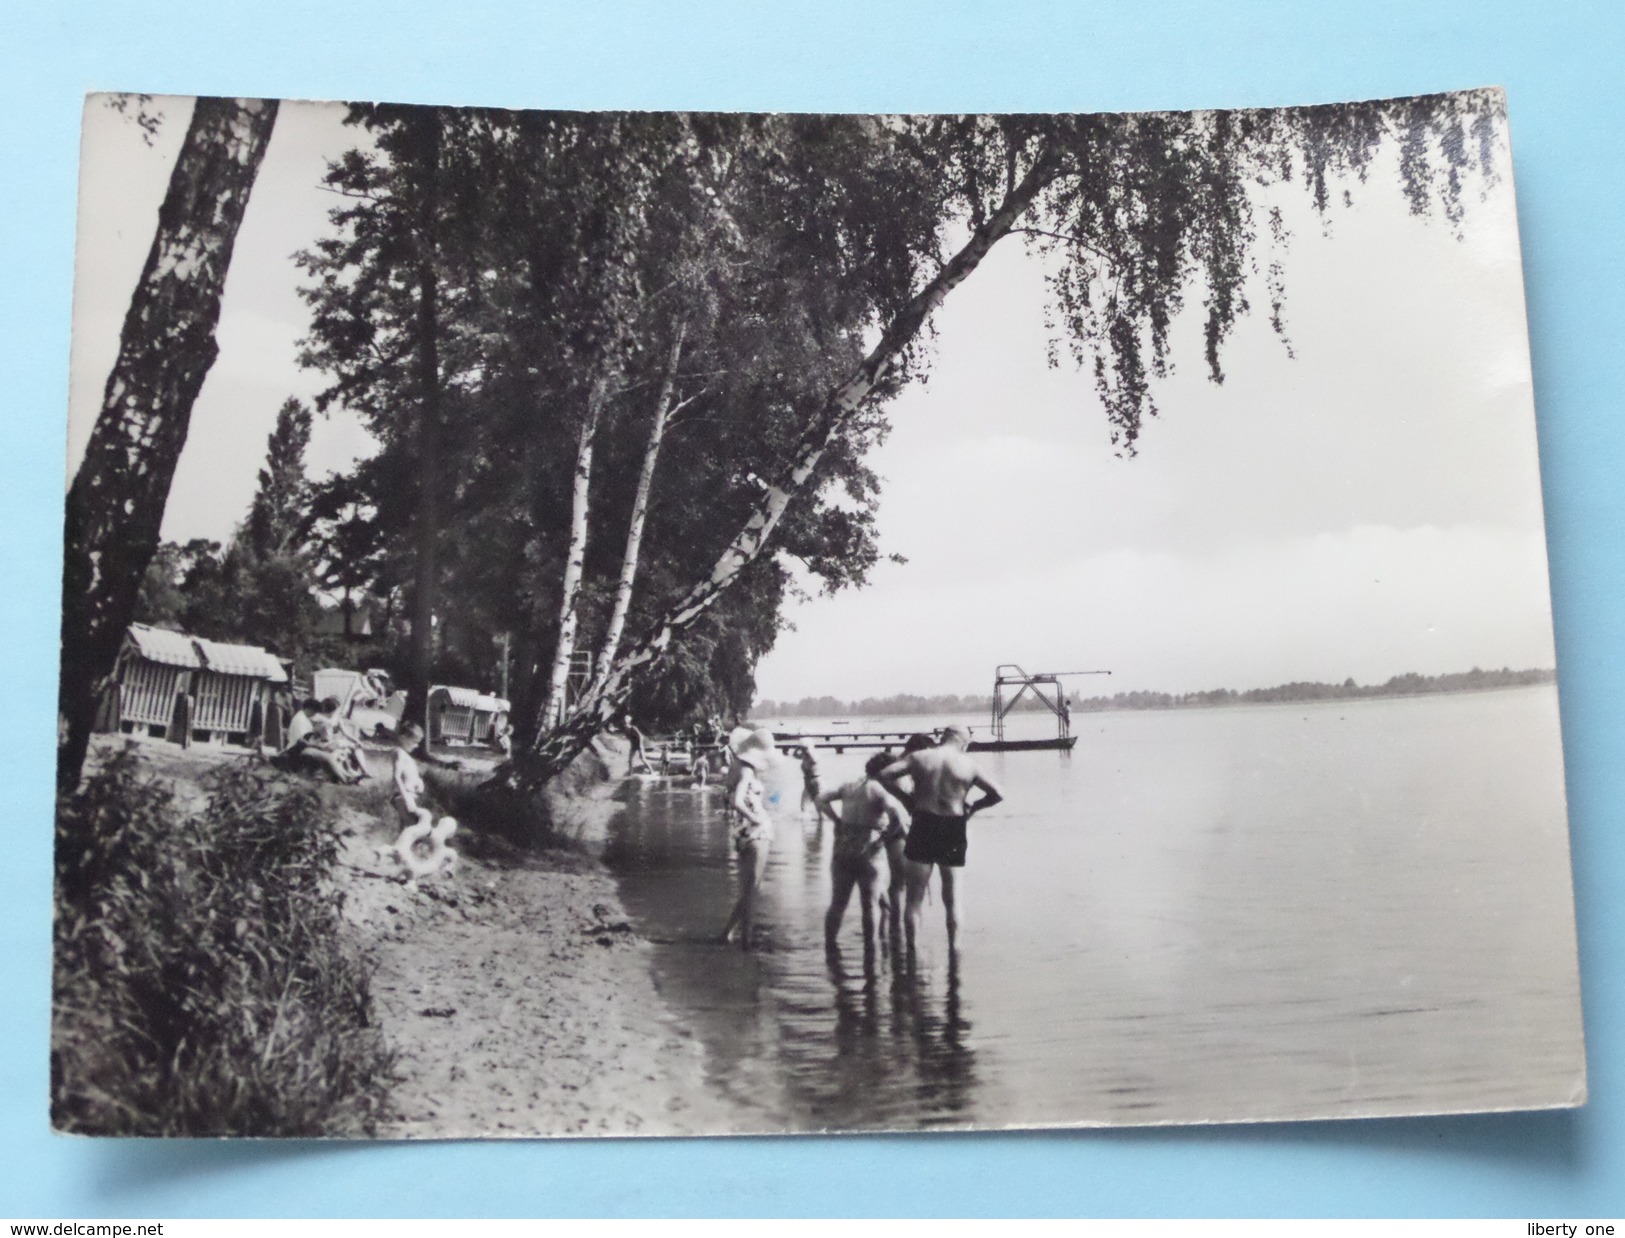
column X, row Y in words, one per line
column 931, row 838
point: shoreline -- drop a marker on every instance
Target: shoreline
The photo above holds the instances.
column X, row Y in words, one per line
column 516, row 994
column 513, row 992
column 1080, row 710
column 1107, row 705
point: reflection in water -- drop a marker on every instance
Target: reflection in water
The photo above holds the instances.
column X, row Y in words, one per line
column 897, row 1054
column 1269, row 912
column 800, row 1037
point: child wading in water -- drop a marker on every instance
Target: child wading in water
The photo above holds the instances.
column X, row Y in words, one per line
column 752, row 832
column 868, row 814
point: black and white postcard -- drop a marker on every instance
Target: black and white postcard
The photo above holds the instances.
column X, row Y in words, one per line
column 720, row 623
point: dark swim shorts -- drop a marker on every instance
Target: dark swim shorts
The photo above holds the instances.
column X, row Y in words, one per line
column 934, row 839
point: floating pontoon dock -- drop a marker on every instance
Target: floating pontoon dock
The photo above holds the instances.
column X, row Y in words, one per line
column 842, row 740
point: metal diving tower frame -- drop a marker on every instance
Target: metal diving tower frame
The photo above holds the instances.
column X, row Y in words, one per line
column 1047, row 687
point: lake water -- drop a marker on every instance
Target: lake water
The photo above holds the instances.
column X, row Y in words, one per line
column 1260, row 912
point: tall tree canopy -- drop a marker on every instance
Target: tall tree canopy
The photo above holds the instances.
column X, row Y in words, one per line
column 660, row 345
column 604, row 272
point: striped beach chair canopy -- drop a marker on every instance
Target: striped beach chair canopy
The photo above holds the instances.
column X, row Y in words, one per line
column 248, row 661
column 165, row 648
column 226, row 684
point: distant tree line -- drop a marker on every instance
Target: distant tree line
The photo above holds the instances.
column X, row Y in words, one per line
column 1408, row 684
column 263, row 585
column 873, row 706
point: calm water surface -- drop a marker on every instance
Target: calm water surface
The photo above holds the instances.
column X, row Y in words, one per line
column 1257, row 912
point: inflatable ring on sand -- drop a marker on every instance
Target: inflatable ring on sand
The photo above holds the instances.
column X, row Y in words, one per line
column 410, row 850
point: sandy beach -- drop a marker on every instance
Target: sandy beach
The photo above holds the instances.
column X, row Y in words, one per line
column 518, row 997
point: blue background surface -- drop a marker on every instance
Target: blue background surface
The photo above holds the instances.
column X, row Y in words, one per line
column 1561, row 66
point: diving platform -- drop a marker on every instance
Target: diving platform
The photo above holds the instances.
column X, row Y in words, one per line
column 1011, row 685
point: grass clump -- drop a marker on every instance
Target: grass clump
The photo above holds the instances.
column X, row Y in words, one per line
column 203, row 982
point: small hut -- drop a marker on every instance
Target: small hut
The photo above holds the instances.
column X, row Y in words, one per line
column 463, row 715
column 153, row 676
column 184, row 687
column 353, row 623
column 233, row 691
column 451, row 714
column 489, row 712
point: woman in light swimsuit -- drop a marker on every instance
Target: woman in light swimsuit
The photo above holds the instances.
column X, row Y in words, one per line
column 868, row 814
column 752, row 832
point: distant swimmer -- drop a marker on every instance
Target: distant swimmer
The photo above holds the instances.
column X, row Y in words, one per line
column 941, row 780
column 868, row 813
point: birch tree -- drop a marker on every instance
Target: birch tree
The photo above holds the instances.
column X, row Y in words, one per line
column 116, row 503
column 640, row 507
column 1139, row 210
column 575, row 557
column 581, row 240
column 829, row 243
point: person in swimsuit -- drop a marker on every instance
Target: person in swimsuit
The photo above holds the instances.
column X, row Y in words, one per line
column 809, row 780
column 635, row 755
column 310, row 746
column 868, row 813
column 891, row 903
column 940, row 780
column 752, row 831
column 346, row 740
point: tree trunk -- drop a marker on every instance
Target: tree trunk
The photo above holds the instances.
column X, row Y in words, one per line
column 115, row 506
column 575, row 558
column 557, row 746
column 527, row 690
column 426, row 568
column 640, row 509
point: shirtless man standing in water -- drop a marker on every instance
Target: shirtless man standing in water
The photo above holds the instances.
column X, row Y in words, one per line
column 942, row 779
column 868, row 813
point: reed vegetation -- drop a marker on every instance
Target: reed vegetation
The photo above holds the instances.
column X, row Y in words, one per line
column 204, row 984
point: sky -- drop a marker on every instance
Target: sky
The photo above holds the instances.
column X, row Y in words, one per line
column 121, row 184
column 1366, row 505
